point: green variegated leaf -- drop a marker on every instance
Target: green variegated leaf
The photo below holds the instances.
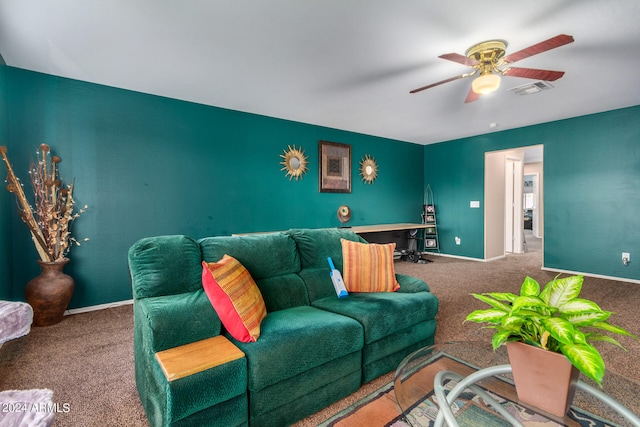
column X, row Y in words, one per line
column 490, row 315
column 530, row 315
column 499, row 338
column 586, row 318
column 527, row 302
column 580, row 337
column 513, row 322
column 502, row 296
column 559, row 329
column 560, row 291
column 606, row 326
column 492, row 302
column 587, row 359
column 529, row 287
column 605, row 338
column 579, row 305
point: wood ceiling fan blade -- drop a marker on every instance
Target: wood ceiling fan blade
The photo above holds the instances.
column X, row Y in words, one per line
column 532, row 73
column 471, row 96
column 460, row 59
column 439, row 83
column 552, row 43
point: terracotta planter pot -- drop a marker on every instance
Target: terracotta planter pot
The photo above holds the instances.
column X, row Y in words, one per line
column 49, row 293
column 543, row 379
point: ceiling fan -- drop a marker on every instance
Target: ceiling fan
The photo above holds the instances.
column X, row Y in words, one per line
column 488, row 57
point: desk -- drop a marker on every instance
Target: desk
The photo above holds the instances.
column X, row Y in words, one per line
column 363, row 229
column 378, row 228
column 407, row 247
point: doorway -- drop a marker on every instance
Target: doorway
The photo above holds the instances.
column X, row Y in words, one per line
column 531, row 195
column 507, row 205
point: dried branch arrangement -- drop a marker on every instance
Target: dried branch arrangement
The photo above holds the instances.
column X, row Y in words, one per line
column 49, row 221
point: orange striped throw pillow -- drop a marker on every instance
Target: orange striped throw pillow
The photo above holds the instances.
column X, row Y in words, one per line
column 368, row 267
column 235, row 297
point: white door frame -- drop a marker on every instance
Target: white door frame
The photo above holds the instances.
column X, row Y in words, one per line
column 514, row 212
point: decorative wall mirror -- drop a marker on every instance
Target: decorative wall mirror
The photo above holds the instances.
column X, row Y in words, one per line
column 294, row 162
column 368, row 169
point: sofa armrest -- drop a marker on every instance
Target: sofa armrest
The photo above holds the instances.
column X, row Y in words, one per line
column 174, row 320
column 410, row 284
column 165, row 265
column 166, row 322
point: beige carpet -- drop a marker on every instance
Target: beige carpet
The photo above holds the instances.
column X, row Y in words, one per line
column 87, row 359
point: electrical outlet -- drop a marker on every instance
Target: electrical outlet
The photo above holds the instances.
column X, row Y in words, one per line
column 626, row 258
column 457, row 240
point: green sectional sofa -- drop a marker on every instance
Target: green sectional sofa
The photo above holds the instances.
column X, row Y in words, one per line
column 313, row 349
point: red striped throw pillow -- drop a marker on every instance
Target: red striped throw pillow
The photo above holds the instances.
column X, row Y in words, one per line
column 235, row 297
column 368, row 267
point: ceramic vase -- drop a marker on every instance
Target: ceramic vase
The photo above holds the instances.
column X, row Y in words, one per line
column 544, row 379
column 49, row 293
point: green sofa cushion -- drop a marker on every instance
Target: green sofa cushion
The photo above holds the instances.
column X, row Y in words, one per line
column 264, row 255
column 165, row 265
column 318, row 282
column 232, row 413
column 383, row 313
column 410, row 284
column 295, row 340
column 283, row 403
column 285, row 291
column 380, row 357
column 315, row 245
column 271, row 259
column 399, row 341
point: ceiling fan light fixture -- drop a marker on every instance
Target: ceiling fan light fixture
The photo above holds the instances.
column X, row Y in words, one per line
column 486, row 59
column 486, row 83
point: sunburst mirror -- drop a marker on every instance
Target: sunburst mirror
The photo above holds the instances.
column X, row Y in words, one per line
column 368, row 169
column 294, row 162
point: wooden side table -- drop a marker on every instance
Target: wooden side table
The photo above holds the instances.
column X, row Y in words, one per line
column 189, row 359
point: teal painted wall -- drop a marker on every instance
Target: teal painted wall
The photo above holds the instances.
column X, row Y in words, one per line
column 148, row 165
column 592, row 196
column 5, row 228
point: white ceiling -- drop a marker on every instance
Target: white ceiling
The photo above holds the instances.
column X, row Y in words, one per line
column 345, row 64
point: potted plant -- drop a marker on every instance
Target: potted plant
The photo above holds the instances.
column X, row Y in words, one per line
column 554, row 322
column 49, row 293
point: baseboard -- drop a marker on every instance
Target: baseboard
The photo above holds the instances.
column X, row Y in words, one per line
column 494, row 258
column 97, row 307
column 597, row 276
column 460, row 257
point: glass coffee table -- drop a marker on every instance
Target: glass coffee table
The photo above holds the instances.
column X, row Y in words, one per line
column 477, row 384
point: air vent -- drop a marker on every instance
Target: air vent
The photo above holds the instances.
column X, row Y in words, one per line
column 531, row 88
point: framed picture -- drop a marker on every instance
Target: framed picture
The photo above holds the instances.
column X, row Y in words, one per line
column 430, row 230
column 430, row 243
column 335, row 167
column 430, row 218
column 431, row 209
